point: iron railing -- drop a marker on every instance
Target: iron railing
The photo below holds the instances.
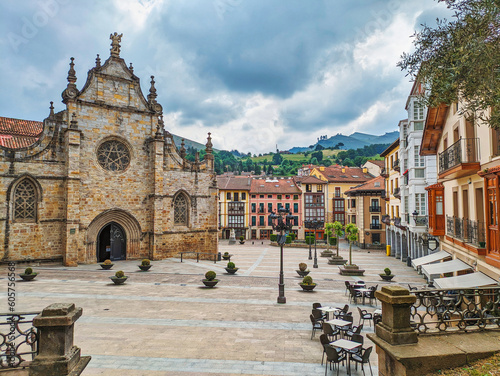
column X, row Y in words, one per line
column 18, row 339
column 375, row 226
column 384, row 173
column 375, row 209
column 397, row 221
column 395, row 165
column 420, row 220
column 465, row 150
column 466, row 230
column 439, row 311
column 397, row 192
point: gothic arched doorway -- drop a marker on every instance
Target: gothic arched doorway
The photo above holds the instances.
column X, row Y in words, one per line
column 111, row 243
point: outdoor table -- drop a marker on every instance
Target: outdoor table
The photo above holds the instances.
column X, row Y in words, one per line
column 346, row 345
column 339, row 323
column 362, row 291
column 377, row 312
column 327, row 310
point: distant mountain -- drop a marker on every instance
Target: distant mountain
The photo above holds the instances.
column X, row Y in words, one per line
column 187, row 143
column 354, row 141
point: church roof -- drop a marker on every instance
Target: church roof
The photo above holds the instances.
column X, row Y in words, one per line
column 19, row 133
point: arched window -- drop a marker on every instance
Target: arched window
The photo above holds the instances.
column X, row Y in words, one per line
column 181, row 210
column 25, row 201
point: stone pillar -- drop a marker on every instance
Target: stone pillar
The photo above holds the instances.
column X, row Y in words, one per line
column 395, row 327
column 159, row 213
column 57, row 355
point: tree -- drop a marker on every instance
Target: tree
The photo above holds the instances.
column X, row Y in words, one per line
column 314, row 161
column 319, row 147
column 327, row 163
column 459, row 60
column 318, row 155
column 337, row 230
column 277, row 158
column 328, row 232
column 270, row 170
column 258, row 169
column 351, row 234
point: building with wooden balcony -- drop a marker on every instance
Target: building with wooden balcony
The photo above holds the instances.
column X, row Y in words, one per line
column 464, row 204
column 365, row 209
column 234, row 194
column 313, row 203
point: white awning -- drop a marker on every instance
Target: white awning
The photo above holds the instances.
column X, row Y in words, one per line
column 433, row 257
column 432, row 270
column 465, row 281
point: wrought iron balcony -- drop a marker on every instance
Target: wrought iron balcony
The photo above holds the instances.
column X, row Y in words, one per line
column 397, row 193
column 419, row 220
column 397, row 221
column 466, row 230
column 386, row 219
column 384, row 173
column 375, row 209
column 395, row 165
column 375, row 226
column 463, row 155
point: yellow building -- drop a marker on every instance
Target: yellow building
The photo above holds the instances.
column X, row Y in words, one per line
column 234, row 193
column 340, row 179
column 464, row 204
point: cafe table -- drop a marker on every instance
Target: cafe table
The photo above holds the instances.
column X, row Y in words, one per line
column 362, row 291
column 329, row 310
column 348, row 346
column 339, row 323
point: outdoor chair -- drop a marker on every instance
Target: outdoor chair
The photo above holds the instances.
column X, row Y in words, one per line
column 347, row 285
column 371, row 294
column 316, row 325
column 318, row 314
column 364, row 315
column 359, row 339
column 363, row 359
column 354, row 294
column 376, row 319
column 323, row 339
column 316, row 305
column 412, row 288
column 333, row 356
column 332, row 333
column 354, row 330
column 342, row 311
column 344, row 329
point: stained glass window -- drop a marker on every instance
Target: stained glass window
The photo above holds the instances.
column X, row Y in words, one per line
column 113, row 156
column 25, row 201
column 180, row 210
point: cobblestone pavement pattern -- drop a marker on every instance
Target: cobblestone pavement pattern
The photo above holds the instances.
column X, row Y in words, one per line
column 163, row 322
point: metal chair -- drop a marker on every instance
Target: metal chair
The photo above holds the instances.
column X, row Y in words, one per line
column 316, row 325
column 371, row 294
column 331, row 333
column 316, row 305
column 347, row 285
column 354, row 330
column 363, row 359
column 333, row 356
column 358, row 338
column 344, row 329
column 354, row 294
column 318, row 314
column 364, row 315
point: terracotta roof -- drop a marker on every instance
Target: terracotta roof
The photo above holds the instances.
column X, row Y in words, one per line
column 377, row 162
column 308, row 180
column 18, row 133
column 275, row 185
column 234, row 183
column 375, row 184
column 334, row 174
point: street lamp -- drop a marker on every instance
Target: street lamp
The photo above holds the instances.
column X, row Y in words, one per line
column 283, row 221
column 308, row 225
column 314, row 225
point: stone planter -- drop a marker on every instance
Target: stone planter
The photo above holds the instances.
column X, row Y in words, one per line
column 210, row 283
column 336, row 260
column 228, row 257
column 118, row 281
column 307, row 287
column 386, row 277
column 231, row 271
column 106, row 266
column 242, row 242
column 144, row 268
column 351, row 270
column 28, row 277
column 326, row 253
column 302, row 273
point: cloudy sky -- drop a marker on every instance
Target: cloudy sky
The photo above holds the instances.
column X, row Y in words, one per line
column 255, row 73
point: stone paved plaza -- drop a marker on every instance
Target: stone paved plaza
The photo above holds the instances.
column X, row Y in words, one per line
column 163, row 322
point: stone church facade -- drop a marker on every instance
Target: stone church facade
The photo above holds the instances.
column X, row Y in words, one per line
column 102, row 178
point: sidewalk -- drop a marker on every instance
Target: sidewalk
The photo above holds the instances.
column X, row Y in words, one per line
column 163, row 322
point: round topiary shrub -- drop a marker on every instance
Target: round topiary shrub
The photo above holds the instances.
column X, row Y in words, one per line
column 107, row 262
column 119, row 274
column 242, row 238
column 231, row 265
column 387, row 271
column 28, row 271
column 307, row 280
column 226, row 254
column 145, row 262
column 210, row 275
column 302, row 267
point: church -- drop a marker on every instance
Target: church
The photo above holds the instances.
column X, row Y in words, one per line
column 102, row 178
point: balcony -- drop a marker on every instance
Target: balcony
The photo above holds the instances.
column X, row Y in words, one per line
column 397, row 221
column 386, row 219
column 375, row 226
column 384, row 173
column 460, row 159
column 466, row 230
column 375, row 209
column 397, row 193
column 418, row 220
column 395, row 165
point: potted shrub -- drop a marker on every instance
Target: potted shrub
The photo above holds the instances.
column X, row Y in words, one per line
column 328, row 232
column 307, row 283
column 302, row 269
column 210, row 280
column 226, row 256
column 387, row 275
column 351, row 234
column 145, row 265
column 107, row 264
column 231, row 268
column 28, row 275
column 242, row 239
column 119, row 278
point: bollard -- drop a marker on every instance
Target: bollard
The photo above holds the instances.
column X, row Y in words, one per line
column 388, row 249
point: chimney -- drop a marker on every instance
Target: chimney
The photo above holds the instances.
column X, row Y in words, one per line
column 365, row 170
column 343, row 170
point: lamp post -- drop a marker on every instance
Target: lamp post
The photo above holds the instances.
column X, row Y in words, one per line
column 307, row 224
column 283, row 221
column 316, row 224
